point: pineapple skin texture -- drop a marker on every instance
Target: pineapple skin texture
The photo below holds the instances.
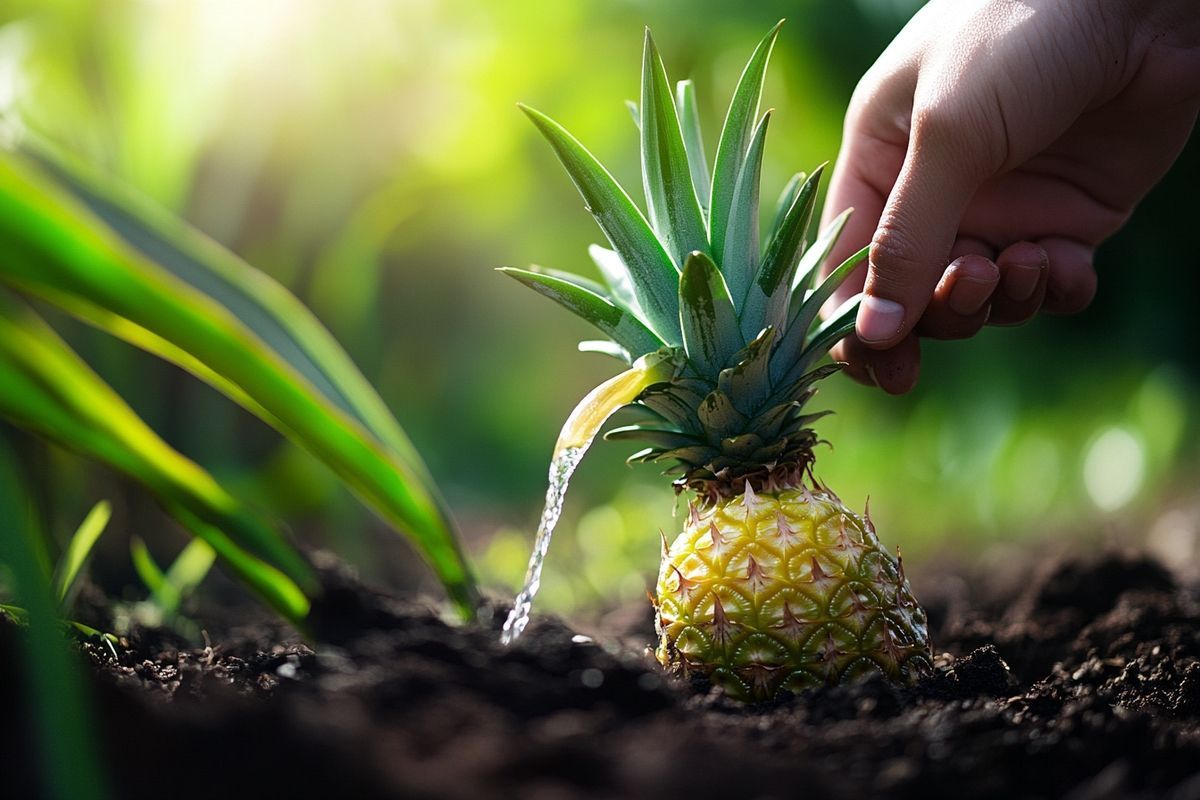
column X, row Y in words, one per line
column 783, row 591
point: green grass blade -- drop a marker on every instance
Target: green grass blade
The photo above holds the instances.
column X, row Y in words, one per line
column 166, row 288
column 45, row 388
column 783, row 254
column 739, row 261
column 666, row 167
column 152, row 575
column 169, row 589
column 735, row 138
column 693, row 142
column 79, row 548
column 58, row 704
column 191, row 567
column 657, row 278
column 615, row 322
column 707, row 316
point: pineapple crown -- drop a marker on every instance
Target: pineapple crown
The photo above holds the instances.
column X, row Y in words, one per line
column 690, row 282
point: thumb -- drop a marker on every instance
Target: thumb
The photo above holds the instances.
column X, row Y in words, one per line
column 941, row 171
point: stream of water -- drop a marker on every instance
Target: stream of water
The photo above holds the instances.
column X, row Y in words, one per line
column 576, row 437
column 561, row 467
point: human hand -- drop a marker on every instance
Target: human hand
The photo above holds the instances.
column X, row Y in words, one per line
column 1006, row 139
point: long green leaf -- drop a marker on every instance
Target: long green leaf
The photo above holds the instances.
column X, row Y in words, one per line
column 815, row 255
column 707, row 316
column 586, row 284
column 606, row 347
column 79, row 548
column 273, row 314
column 796, row 339
column 666, row 168
column 693, row 142
column 735, row 138
column 769, row 295
column 46, row 388
column 616, row 276
column 659, row 437
column 655, row 274
column 163, row 287
column 839, row 325
column 161, row 593
column 786, row 198
column 739, row 261
column 190, row 567
column 803, row 317
column 620, row 325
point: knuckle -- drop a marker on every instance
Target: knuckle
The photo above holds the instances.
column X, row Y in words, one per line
column 966, row 130
column 934, row 122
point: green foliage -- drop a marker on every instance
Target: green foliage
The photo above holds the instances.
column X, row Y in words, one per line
column 723, row 303
column 169, row 589
column 765, row 304
column 79, row 548
column 799, row 349
column 58, row 706
column 666, row 165
column 744, row 400
column 656, row 276
column 151, row 281
column 707, row 315
column 46, row 388
column 741, row 251
column 381, row 196
column 734, row 145
column 592, row 304
column 693, row 140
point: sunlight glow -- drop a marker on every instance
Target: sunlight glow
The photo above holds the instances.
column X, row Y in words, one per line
column 1114, row 468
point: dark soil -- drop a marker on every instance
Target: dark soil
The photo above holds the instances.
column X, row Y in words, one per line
column 1083, row 681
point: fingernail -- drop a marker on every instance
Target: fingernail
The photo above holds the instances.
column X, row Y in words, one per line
column 968, row 295
column 879, row 319
column 870, row 368
column 1020, row 282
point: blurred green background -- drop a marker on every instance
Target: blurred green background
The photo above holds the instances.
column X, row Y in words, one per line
column 370, row 156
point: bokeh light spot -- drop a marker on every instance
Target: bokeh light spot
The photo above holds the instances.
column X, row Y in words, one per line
column 1113, row 468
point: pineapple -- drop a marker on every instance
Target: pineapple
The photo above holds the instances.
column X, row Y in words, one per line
column 774, row 584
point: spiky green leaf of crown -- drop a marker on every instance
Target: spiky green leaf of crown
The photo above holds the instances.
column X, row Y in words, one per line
column 691, row 276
